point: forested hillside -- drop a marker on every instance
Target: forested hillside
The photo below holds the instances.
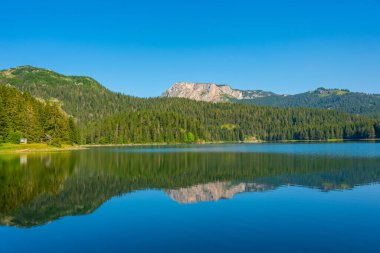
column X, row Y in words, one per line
column 332, row 99
column 107, row 117
column 23, row 116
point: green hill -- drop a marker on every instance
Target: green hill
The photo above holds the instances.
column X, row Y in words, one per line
column 80, row 96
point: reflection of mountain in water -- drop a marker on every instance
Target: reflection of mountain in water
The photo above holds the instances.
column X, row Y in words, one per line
column 213, row 191
column 40, row 188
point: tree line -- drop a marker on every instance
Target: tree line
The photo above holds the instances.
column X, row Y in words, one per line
column 23, row 116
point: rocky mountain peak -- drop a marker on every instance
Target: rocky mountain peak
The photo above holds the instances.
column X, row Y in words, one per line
column 211, row 92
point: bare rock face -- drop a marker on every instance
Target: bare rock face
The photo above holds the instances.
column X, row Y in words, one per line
column 211, row 92
column 213, row 191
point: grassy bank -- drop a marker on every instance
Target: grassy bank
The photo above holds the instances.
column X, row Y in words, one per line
column 34, row 147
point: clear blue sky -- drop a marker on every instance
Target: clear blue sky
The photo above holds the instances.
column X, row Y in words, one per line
column 142, row 47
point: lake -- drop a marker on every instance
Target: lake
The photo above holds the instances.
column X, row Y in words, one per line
column 304, row 197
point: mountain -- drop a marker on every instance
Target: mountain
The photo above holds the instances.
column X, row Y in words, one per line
column 212, row 92
column 105, row 117
column 335, row 99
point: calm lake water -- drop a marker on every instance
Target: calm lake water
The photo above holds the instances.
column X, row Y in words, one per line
column 195, row 198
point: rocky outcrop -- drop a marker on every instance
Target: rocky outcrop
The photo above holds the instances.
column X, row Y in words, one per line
column 213, row 191
column 211, row 92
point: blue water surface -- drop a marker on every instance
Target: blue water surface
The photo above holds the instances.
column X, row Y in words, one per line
column 291, row 214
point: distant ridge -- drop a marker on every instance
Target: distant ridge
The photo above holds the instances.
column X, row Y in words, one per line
column 331, row 99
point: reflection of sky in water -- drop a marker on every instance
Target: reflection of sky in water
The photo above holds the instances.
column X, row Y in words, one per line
column 290, row 219
column 335, row 149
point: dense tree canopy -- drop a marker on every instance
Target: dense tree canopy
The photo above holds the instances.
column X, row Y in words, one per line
column 174, row 119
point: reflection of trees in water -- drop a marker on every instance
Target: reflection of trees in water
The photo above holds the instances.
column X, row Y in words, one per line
column 50, row 186
column 23, row 178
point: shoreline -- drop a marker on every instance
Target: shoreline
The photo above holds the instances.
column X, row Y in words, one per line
column 43, row 148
